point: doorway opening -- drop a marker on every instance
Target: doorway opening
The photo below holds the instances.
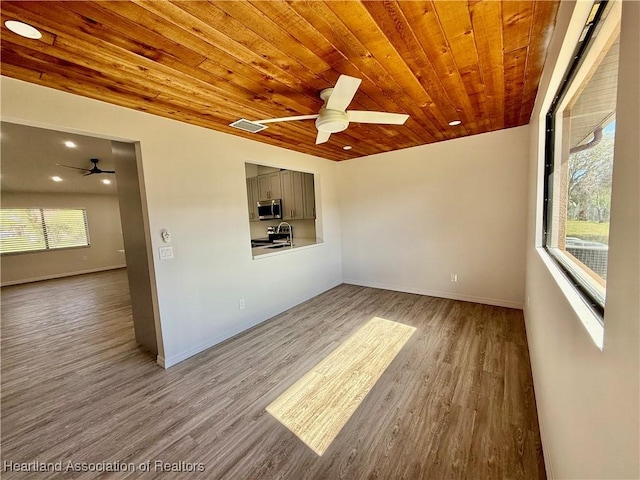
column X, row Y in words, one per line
column 73, row 214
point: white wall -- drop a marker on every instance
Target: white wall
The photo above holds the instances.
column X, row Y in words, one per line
column 105, row 252
column 588, row 400
column 195, row 187
column 412, row 217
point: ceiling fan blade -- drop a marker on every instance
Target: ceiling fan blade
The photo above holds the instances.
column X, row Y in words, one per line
column 87, row 174
column 107, row 171
column 288, row 119
column 322, row 137
column 344, row 91
column 363, row 116
column 69, row 166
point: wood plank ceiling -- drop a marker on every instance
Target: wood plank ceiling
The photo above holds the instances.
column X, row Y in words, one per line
column 210, row 63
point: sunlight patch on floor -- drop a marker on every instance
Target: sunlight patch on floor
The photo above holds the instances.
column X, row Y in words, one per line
column 317, row 406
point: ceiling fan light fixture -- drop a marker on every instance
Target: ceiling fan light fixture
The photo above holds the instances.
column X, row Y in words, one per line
column 333, row 117
column 23, row 29
column 332, row 121
column 454, row 123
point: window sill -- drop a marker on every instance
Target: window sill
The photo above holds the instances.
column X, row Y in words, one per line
column 59, row 249
column 588, row 317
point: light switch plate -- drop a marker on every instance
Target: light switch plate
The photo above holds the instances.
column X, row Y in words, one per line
column 165, row 252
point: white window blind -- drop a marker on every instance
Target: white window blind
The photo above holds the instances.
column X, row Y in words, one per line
column 35, row 229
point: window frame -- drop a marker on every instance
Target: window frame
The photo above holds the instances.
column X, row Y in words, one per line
column 579, row 55
column 48, row 248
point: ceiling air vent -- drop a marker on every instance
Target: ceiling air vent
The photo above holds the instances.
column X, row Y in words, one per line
column 247, row 125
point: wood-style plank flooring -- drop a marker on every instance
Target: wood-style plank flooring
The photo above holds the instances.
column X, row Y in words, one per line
column 321, row 402
column 457, row 402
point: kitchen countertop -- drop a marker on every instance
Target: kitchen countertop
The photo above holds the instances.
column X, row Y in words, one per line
column 297, row 243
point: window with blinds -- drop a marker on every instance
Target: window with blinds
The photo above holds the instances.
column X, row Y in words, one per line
column 37, row 229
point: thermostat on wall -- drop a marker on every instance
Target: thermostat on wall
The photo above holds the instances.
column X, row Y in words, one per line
column 166, row 236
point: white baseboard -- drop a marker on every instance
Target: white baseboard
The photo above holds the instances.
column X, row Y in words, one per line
column 433, row 293
column 175, row 359
column 533, row 362
column 61, row 275
column 237, row 329
column 160, row 361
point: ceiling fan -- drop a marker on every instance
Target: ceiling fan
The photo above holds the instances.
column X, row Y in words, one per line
column 333, row 116
column 90, row 171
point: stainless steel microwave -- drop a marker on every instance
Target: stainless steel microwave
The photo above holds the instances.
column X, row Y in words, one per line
column 270, row 209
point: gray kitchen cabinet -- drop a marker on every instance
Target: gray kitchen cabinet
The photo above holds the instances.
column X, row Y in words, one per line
column 269, row 186
column 309, row 196
column 252, row 198
column 292, row 195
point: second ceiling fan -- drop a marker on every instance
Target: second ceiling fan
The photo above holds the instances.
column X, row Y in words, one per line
column 333, row 116
column 90, row 171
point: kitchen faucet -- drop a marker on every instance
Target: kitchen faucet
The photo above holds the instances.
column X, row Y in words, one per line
column 290, row 232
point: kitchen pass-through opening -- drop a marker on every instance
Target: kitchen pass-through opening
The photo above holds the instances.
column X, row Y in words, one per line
column 282, row 209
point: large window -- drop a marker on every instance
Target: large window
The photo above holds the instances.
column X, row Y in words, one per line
column 36, row 229
column 581, row 125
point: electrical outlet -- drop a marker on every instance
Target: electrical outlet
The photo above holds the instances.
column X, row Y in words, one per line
column 454, row 277
column 241, row 304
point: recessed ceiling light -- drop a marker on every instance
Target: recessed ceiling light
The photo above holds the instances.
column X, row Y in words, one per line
column 23, row 29
column 347, row 147
column 454, row 123
column 70, row 144
column 56, row 179
column 106, row 181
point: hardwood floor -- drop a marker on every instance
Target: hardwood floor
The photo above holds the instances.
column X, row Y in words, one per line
column 457, row 401
column 320, row 403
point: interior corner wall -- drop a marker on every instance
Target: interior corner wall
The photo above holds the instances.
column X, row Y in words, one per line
column 412, row 218
column 195, row 186
column 105, row 233
column 588, row 399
